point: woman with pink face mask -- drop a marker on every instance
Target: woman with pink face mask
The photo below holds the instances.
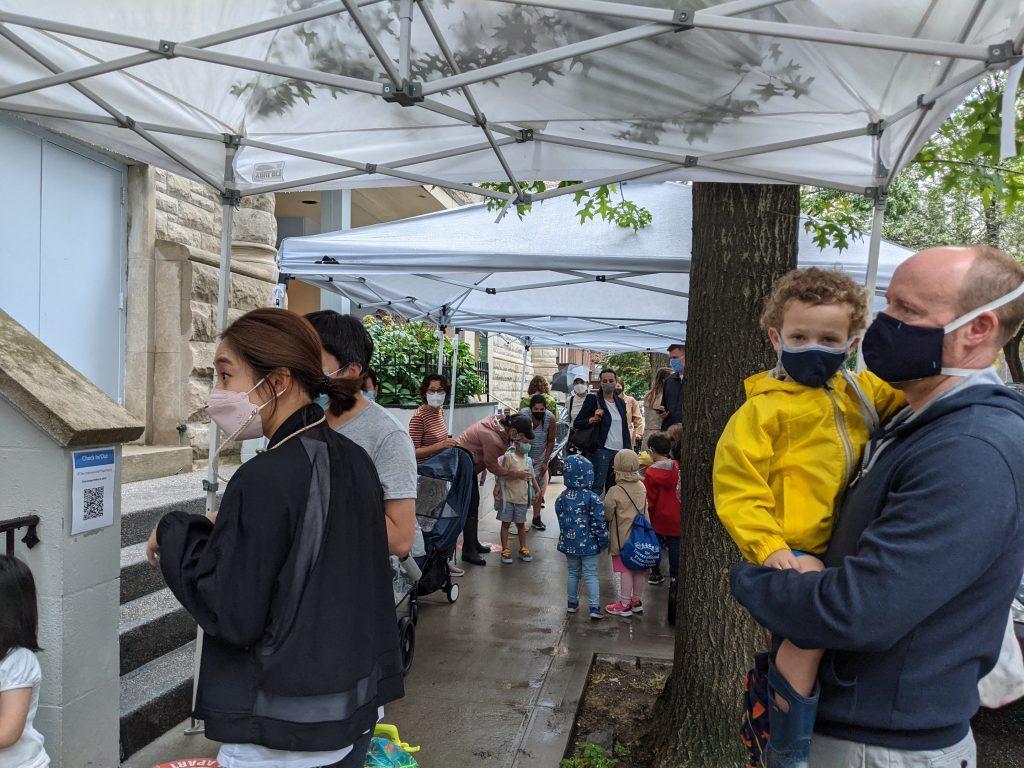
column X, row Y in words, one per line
column 290, row 676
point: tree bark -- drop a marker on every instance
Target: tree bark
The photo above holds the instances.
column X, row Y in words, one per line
column 1012, row 354
column 744, row 238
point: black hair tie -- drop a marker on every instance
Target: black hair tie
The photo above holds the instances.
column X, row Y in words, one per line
column 325, row 385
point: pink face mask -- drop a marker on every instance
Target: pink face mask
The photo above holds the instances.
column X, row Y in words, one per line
column 236, row 415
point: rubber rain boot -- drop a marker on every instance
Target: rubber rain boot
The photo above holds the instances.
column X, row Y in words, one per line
column 789, row 739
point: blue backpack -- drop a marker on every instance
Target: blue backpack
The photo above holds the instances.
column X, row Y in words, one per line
column 642, row 549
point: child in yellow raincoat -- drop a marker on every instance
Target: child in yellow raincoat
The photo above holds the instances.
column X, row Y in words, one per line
column 788, row 454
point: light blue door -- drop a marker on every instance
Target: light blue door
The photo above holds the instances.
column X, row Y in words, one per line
column 62, row 253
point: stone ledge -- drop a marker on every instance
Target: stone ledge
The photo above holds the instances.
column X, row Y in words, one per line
column 54, row 396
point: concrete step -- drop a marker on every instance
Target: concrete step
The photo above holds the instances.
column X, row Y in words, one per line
column 147, row 462
column 144, row 503
column 138, row 577
column 151, row 626
column 155, row 697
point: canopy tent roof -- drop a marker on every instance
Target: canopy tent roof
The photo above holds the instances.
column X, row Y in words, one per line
column 274, row 94
column 546, row 277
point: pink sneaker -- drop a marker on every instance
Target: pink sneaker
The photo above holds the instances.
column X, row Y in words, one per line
column 618, row 609
column 636, row 606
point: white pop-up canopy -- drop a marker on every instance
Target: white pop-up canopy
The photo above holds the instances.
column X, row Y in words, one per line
column 546, row 277
column 365, row 92
column 268, row 95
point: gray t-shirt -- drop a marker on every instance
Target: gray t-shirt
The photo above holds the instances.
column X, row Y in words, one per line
column 383, row 437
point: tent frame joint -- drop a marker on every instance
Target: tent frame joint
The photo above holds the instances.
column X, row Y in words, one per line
column 491, row 291
column 125, row 122
column 1001, row 54
column 690, row 161
column 232, row 197
column 410, row 94
column 231, row 140
column 525, row 135
column 370, row 168
column 876, row 128
column 166, row 48
column 683, row 19
column 924, row 103
column 879, row 195
column 211, row 487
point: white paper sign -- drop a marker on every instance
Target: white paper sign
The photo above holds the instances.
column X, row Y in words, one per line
column 92, row 489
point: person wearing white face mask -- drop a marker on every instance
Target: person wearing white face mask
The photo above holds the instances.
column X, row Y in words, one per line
column 427, row 427
column 289, row 677
column 347, row 349
column 572, row 408
column 928, row 545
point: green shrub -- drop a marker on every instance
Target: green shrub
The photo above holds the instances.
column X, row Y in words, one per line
column 405, row 352
column 589, row 756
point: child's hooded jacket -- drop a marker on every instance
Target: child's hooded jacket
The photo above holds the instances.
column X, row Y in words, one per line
column 582, row 528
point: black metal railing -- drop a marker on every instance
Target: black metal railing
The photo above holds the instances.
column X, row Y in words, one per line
column 399, row 376
column 30, row 539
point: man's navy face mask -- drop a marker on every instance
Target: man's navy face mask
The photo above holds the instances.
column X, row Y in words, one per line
column 812, row 364
column 895, row 351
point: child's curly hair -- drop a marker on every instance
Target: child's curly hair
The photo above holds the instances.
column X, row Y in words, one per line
column 816, row 286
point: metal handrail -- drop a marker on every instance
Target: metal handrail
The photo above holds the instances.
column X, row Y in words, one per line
column 30, row 539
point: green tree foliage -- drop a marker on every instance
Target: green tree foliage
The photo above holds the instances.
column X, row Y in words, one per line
column 635, row 370
column 405, row 352
column 598, row 203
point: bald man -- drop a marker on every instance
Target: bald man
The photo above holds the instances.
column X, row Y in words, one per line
column 928, row 547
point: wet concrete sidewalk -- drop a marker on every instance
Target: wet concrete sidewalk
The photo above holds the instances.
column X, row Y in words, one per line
column 497, row 676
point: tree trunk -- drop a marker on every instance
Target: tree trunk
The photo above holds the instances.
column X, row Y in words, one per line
column 744, row 238
column 1012, row 354
column 992, row 223
column 658, row 360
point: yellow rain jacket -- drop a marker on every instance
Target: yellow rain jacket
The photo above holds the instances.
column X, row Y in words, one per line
column 787, row 455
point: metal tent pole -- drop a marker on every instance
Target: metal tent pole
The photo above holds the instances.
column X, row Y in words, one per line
column 440, row 346
column 228, row 201
column 874, row 246
column 522, row 374
column 454, row 383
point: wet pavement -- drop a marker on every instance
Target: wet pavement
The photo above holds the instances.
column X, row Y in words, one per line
column 497, row 676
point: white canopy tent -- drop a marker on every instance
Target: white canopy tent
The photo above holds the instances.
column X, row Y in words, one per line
column 544, row 278
column 270, row 95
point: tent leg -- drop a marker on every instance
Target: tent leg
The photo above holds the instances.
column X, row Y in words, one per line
column 455, row 381
column 522, row 373
column 224, row 291
column 877, row 221
column 440, row 350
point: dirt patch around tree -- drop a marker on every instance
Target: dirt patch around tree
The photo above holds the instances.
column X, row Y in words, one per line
column 616, row 707
column 619, row 697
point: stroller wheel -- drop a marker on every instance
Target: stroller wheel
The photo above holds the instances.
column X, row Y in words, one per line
column 453, row 593
column 414, row 612
column 407, row 642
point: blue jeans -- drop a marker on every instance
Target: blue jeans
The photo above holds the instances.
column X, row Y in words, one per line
column 602, row 460
column 587, row 567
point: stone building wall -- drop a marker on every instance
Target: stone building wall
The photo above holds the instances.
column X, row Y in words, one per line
column 506, row 365
column 174, row 256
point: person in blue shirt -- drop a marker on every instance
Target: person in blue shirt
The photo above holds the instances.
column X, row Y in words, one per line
column 928, row 546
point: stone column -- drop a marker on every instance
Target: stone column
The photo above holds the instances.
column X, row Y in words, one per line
column 47, row 409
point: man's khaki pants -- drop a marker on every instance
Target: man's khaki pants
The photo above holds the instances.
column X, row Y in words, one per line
column 827, row 752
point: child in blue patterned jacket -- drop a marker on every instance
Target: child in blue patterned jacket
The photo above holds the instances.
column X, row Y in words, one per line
column 583, row 532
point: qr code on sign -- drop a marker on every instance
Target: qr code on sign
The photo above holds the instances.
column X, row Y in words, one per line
column 93, row 503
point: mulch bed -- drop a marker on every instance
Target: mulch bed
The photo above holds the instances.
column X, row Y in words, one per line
column 621, row 691
column 617, row 704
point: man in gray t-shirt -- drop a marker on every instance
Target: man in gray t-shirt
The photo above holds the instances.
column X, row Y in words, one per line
column 383, row 437
column 346, row 353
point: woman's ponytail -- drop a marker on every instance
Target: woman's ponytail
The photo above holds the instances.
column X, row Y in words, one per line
column 341, row 393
